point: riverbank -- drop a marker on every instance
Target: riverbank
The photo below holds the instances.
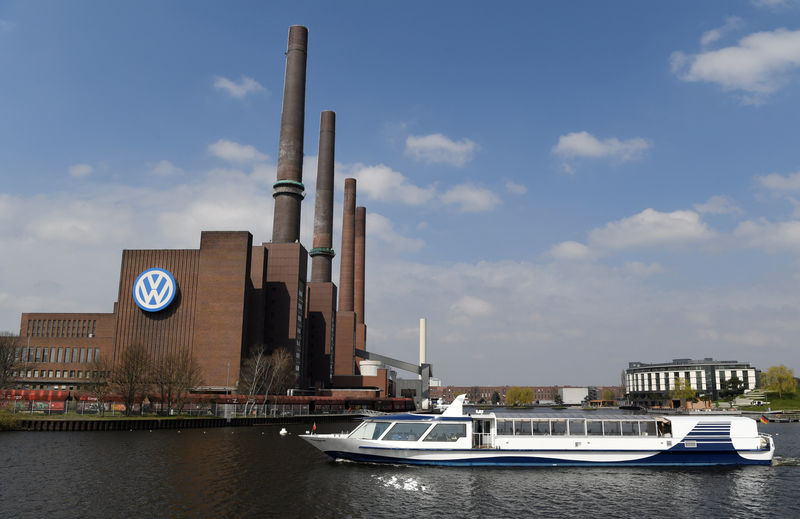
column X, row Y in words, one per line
column 136, row 423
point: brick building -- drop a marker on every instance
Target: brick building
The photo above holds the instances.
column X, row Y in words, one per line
column 229, row 296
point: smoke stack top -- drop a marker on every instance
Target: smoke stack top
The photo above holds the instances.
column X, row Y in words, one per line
column 348, row 247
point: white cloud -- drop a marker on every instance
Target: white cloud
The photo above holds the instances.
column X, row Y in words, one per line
column 246, row 85
column 469, row 198
column 713, row 35
column 583, row 145
column 516, row 189
column 718, row 204
column 471, row 306
column 165, row 168
column 777, row 182
column 637, row 268
column 381, row 228
column 770, row 236
column 235, row 152
column 439, row 149
column 758, row 65
column 651, row 228
column 383, row 184
column 80, row 170
column 570, row 250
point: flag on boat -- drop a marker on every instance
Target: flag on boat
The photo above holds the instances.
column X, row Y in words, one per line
column 314, row 427
column 764, row 419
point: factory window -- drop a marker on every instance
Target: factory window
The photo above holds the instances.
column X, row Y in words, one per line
column 29, row 373
column 38, row 354
column 45, row 354
column 30, row 354
column 36, row 373
column 50, row 374
column 89, row 356
column 52, row 354
column 29, row 328
column 60, row 358
column 83, row 355
column 74, row 355
column 72, row 373
column 94, row 326
column 80, row 374
column 67, row 352
column 96, row 354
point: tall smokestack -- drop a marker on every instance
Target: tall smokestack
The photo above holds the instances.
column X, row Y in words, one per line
column 348, row 247
column 288, row 190
column 322, row 252
column 358, row 282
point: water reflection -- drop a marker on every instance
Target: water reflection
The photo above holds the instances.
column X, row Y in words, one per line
column 254, row 472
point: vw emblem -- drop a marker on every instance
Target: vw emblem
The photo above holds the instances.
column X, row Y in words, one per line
column 154, row 289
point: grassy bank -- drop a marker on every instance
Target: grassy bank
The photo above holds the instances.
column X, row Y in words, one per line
column 786, row 402
column 9, row 421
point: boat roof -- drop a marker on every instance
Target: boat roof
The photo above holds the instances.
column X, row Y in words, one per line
column 508, row 415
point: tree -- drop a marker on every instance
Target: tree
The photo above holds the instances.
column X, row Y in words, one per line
column 732, row 387
column 8, row 357
column 683, row 390
column 263, row 374
column 97, row 384
column 779, row 379
column 131, row 374
column 174, row 376
column 516, row 396
column 608, row 394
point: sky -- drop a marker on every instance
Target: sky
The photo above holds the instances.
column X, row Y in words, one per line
column 559, row 188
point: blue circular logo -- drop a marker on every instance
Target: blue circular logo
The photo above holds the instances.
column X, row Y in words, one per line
column 154, row 289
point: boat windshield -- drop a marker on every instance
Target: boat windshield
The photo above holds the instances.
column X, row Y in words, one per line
column 409, row 432
column 370, row 430
column 447, row 432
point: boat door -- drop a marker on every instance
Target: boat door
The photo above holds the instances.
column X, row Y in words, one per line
column 481, row 433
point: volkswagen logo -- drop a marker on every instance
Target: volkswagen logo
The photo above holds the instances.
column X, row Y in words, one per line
column 154, row 289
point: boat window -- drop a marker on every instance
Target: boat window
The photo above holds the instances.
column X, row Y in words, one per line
column 630, row 428
column 594, row 427
column 558, row 427
column 577, row 427
column 407, row 432
column 611, row 428
column 541, row 427
column 522, row 427
column 370, row 430
column 647, row 428
column 447, row 432
column 505, row 428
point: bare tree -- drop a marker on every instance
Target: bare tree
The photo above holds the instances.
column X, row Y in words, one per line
column 174, row 376
column 280, row 374
column 264, row 374
column 98, row 383
column 8, row 357
column 253, row 375
column 131, row 374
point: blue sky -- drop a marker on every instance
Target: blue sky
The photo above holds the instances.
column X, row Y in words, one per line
column 560, row 189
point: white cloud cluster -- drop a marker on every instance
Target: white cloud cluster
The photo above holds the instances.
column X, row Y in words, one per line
column 709, row 37
column 651, row 228
column 235, row 152
column 439, row 149
column 469, row 198
column 584, row 145
column 770, row 236
column 80, row 170
column 165, row 168
column 382, row 183
column 516, row 189
column 781, row 183
column 718, row 204
column 760, row 64
column 245, row 85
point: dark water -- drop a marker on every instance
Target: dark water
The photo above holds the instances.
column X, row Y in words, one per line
column 253, row 472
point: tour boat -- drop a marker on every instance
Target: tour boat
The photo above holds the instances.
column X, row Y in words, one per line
column 563, row 438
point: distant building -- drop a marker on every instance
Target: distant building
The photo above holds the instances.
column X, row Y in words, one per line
column 651, row 384
column 571, row 395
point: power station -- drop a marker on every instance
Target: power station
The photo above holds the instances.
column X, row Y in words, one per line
column 231, row 296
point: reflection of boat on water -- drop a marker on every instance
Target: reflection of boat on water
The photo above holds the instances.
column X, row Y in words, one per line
column 549, row 439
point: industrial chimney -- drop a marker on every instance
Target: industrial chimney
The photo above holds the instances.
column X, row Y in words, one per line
column 288, row 189
column 423, row 341
column 347, row 271
column 322, row 252
column 358, row 280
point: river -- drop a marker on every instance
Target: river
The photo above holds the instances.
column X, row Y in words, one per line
column 254, row 472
